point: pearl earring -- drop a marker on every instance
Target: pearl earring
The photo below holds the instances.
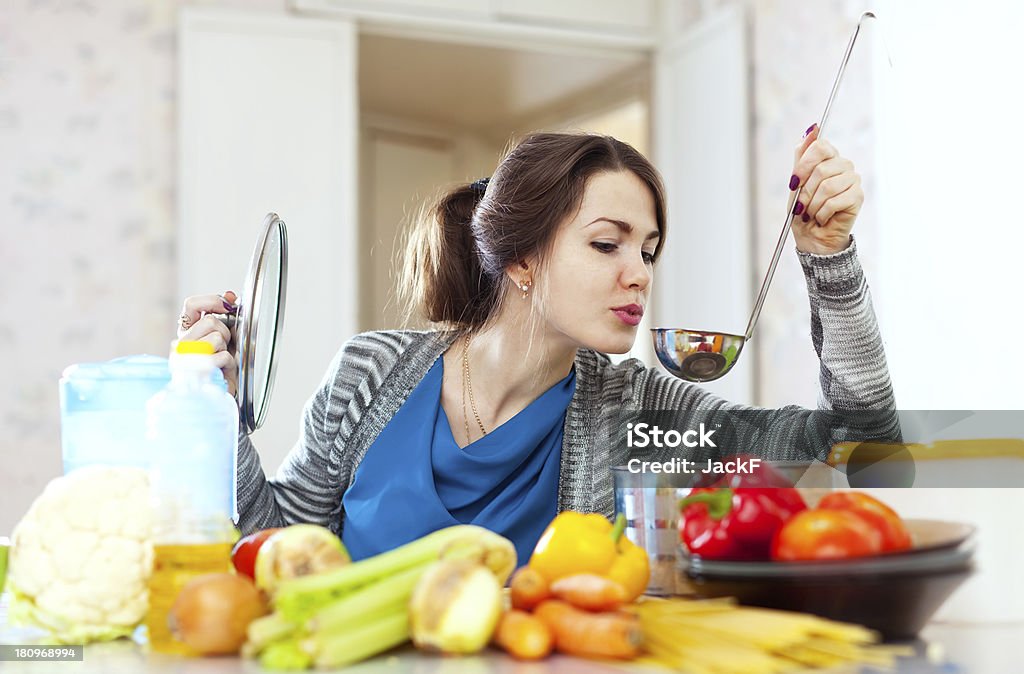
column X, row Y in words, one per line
column 525, row 286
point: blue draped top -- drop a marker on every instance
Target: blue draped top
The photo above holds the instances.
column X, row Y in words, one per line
column 415, row 479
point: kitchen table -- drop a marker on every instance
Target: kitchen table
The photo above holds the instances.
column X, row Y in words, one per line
column 943, row 647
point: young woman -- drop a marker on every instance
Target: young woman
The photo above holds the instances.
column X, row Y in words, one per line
column 511, row 412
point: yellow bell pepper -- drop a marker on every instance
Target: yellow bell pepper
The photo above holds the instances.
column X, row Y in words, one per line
column 632, row 568
column 588, row 543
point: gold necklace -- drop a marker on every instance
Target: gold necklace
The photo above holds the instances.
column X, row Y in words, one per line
column 467, row 384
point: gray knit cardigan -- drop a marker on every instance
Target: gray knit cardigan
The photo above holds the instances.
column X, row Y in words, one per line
column 374, row 373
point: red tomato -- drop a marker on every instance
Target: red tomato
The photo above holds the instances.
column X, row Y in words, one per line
column 826, row 534
column 894, row 533
column 243, row 555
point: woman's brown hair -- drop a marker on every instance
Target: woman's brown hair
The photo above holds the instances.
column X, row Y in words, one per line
column 456, row 256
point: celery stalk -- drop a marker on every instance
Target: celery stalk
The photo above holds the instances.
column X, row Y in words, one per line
column 268, row 629
column 386, row 592
column 299, row 598
column 320, row 638
column 285, row 655
column 359, row 644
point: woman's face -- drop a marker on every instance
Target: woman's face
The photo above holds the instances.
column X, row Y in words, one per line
column 598, row 276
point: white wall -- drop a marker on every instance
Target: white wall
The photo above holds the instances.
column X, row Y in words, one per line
column 949, row 287
column 701, row 143
column 87, row 188
column 796, row 51
column 949, row 148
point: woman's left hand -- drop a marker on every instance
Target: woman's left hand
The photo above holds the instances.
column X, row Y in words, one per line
column 829, row 197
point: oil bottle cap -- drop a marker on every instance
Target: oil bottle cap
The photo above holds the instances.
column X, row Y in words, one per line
column 202, row 348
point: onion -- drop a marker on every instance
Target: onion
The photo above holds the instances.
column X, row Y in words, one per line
column 213, row 611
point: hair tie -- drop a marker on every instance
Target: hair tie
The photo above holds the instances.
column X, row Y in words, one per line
column 480, row 186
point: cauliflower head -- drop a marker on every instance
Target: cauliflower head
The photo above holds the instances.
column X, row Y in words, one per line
column 81, row 558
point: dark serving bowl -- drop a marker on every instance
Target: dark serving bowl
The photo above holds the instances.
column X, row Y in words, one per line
column 895, row 594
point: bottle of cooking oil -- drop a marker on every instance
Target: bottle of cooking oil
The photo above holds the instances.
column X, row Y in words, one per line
column 192, row 433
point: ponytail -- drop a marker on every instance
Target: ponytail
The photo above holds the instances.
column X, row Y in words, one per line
column 442, row 277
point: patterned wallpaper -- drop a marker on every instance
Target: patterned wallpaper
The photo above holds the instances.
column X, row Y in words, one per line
column 87, row 127
column 797, row 49
column 87, row 268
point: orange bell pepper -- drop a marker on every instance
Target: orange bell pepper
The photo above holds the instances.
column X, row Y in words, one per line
column 588, row 543
column 895, row 536
column 826, row 534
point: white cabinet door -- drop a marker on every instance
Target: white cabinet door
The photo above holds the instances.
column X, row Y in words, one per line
column 701, row 145
column 268, row 122
column 402, row 175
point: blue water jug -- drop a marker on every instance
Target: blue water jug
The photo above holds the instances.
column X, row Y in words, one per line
column 103, row 410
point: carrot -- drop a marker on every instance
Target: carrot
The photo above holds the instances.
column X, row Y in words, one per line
column 591, row 635
column 524, row 636
column 590, row 591
column 528, row 588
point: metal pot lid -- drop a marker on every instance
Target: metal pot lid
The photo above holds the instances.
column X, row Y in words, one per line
column 257, row 327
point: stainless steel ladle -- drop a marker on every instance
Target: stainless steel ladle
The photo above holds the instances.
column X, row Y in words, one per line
column 699, row 355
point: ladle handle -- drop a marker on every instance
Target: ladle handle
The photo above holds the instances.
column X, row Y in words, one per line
column 784, row 234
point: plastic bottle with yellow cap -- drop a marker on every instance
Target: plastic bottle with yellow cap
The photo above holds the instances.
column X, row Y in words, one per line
column 192, row 433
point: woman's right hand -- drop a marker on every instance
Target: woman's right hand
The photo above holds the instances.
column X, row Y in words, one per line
column 195, row 324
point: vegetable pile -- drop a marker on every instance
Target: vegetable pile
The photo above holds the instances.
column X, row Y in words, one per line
column 570, row 596
column 83, row 555
column 443, row 591
column 752, row 521
column 579, row 595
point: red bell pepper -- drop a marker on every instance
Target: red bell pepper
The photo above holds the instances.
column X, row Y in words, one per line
column 737, row 523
